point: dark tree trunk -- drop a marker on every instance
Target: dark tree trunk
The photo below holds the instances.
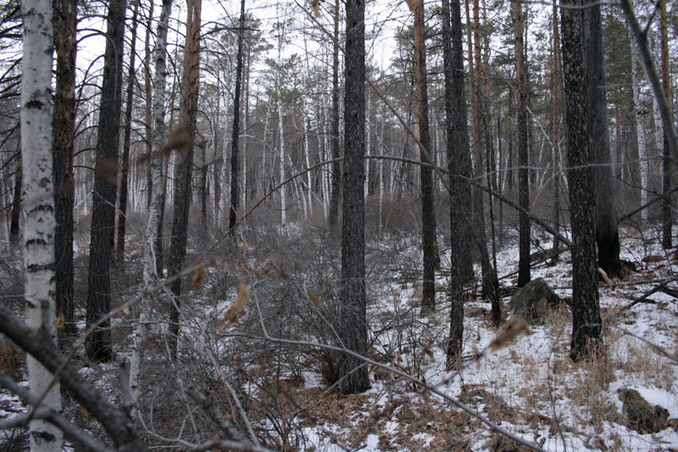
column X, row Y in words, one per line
column 124, row 163
column 335, row 190
column 607, row 233
column 459, row 167
column 667, row 202
column 14, row 224
column 428, row 215
column 353, row 375
column 235, row 162
column 184, row 167
column 98, row 343
column 523, row 154
column 64, row 19
column 586, row 322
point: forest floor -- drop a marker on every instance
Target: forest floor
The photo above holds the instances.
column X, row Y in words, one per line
column 528, row 385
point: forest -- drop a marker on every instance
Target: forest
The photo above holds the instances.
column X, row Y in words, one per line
column 326, row 225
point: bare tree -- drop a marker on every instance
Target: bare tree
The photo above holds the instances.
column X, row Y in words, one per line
column 428, row 214
column 39, row 222
column 98, row 344
column 64, row 16
column 353, row 375
column 586, row 323
column 184, row 167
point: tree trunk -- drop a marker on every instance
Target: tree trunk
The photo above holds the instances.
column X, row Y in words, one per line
column 38, row 209
column 459, row 163
column 335, row 192
column 428, row 216
column 235, row 164
column 14, row 228
column 184, row 167
column 667, row 216
column 150, row 271
column 353, row 375
column 98, row 343
column 640, row 129
column 586, row 323
column 607, row 234
column 64, row 16
column 124, row 162
column 523, row 155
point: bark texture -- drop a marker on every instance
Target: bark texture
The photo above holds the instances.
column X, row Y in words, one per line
column 586, row 322
column 39, row 221
column 353, row 375
column 64, row 19
column 98, row 343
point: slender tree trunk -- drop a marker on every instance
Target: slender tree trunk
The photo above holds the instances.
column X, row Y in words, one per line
column 607, row 234
column 124, row 163
column 65, row 17
column 235, row 163
column 151, row 273
column 523, row 155
column 353, row 375
column 148, row 89
column 98, row 343
column 14, row 228
column 459, row 163
column 667, row 202
column 428, row 219
column 335, row 193
column 586, row 322
column 184, row 167
column 38, row 209
column 640, row 129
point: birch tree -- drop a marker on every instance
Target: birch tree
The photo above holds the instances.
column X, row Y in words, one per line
column 39, row 221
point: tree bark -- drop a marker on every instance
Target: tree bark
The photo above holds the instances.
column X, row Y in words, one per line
column 523, row 154
column 353, row 375
column 235, row 163
column 335, row 192
column 124, row 162
column 459, row 168
column 607, row 233
column 38, row 208
column 428, row 216
column 184, row 167
column 64, row 16
column 667, row 209
column 98, row 343
column 586, row 322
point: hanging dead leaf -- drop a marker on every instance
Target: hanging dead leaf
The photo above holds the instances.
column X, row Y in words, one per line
column 509, row 334
column 60, row 322
column 315, row 7
column 176, row 139
column 239, row 303
column 428, row 352
column 281, row 273
column 126, row 310
column 198, row 276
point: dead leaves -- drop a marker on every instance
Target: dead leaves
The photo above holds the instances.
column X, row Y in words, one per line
column 239, row 303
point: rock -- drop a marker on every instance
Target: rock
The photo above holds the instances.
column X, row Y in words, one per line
column 534, row 301
column 641, row 416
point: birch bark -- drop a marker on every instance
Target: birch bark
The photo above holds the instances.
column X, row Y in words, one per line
column 39, row 221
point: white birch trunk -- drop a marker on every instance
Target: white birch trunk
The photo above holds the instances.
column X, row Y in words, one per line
column 39, row 222
column 149, row 270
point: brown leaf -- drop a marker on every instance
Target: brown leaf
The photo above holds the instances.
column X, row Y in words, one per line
column 60, row 322
column 176, row 139
column 509, row 334
column 239, row 303
column 198, row 276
